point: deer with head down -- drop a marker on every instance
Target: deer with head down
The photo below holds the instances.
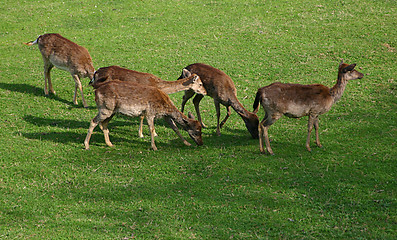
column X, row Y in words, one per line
column 221, row 88
column 66, row 55
column 105, row 74
column 139, row 100
column 296, row 100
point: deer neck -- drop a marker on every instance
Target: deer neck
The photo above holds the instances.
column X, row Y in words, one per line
column 179, row 118
column 337, row 90
column 172, row 86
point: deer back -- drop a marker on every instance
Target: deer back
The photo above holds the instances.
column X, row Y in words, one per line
column 217, row 83
column 123, row 74
column 66, row 55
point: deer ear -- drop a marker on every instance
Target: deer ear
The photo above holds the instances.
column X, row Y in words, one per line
column 341, row 62
column 349, row 68
column 186, row 73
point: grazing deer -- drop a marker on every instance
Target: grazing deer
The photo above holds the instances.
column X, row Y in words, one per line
column 137, row 100
column 296, row 100
column 105, row 74
column 64, row 54
column 221, row 88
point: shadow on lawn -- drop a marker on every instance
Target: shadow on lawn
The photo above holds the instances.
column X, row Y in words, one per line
column 33, row 90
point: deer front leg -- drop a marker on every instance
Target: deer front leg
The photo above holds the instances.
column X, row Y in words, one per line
column 150, row 122
column 309, row 130
column 140, row 134
column 316, row 127
column 188, row 94
column 175, row 128
column 78, row 86
column 196, row 102
column 140, row 131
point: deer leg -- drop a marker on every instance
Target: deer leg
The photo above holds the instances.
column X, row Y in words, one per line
column 188, row 94
column 218, row 115
column 150, row 122
column 98, row 119
column 47, row 78
column 78, row 86
column 226, row 117
column 309, row 130
column 196, row 102
column 316, row 127
column 105, row 130
column 93, row 124
column 175, row 128
column 140, row 132
column 263, row 133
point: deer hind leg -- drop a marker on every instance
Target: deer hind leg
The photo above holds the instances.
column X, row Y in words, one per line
column 175, row 128
column 104, row 127
column 226, row 117
column 150, row 122
column 47, row 77
column 263, row 132
column 196, row 102
column 77, row 84
column 98, row 119
column 188, row 94
column 316, row 127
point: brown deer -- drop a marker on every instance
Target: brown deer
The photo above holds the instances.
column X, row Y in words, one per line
column 105, row 74
column 296, row 100
column 136, row 100
column 221, row 88
column 64, row 54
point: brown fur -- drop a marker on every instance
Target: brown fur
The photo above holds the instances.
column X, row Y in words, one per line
column 64, row 54
column 221, row 88
column 139, row 100
column 296, row 100
column 191, row 82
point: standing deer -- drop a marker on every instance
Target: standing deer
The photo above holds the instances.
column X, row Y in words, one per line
column 64, row 54
column 105, row 74
column 221, row 88
column 296, row 100
column 139, row 100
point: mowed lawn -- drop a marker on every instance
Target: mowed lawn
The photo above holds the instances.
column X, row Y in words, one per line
column 52, row 188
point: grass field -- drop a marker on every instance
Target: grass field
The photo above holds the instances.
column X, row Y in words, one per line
column 51, row 188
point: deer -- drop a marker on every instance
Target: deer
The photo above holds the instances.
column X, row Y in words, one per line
column 134, row 100
column 105, row 74
column 296, row 100
column 66, row 55
column 221, row 88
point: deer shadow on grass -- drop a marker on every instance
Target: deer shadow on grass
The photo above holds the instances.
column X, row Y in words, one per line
column 116, row 126
column 34, row 91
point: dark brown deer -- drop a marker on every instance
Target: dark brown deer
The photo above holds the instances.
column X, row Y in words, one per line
column 221, row 88
column 137, row 100
column 296, row 100
column 66, row 55
column 105, row 74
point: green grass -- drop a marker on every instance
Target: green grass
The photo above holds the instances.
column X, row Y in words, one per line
column 51, row 188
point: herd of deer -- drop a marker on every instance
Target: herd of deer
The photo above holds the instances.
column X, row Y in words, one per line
column 132, row 93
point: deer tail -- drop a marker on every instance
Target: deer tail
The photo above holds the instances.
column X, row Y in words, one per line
column 32, row 42
column 257, row 101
